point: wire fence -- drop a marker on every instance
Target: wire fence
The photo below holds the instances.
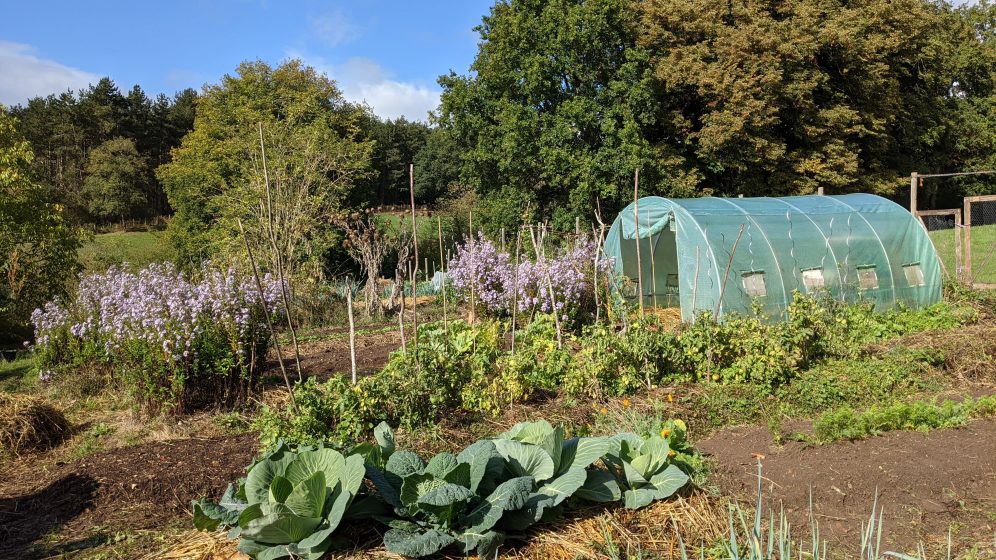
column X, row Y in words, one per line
column 980, row 239
column 944, row 229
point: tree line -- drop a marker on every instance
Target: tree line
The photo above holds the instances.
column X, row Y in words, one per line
column 563, row 101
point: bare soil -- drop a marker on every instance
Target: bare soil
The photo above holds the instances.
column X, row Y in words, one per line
column 925, row 483
column 139, row 487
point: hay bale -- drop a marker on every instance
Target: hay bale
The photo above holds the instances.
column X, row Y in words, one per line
column 28, row 423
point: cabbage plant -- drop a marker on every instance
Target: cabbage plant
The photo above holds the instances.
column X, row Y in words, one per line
column 289, row 505
column 643, row 468
column 451, row 500
column 559, row 468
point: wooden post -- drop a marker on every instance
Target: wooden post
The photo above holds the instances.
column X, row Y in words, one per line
column 401, row 317
column 352, row 330
column 414, row 274
column 968, row 241
column 639, row 262
column 959, row 266
column 503, row 240
column 473, row 279
column 515, row 283
column 914, row 184
column 819, row 191
column 442, row 265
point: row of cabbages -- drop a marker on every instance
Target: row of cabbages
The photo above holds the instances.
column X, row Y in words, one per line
column 170, row 339
column 292, row 502
column 563, row 283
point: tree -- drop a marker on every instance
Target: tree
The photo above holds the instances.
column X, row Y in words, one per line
column 567, row 98
column 37, row 245
column 314, row 158
column 560, row 109
column 64, row 129
column 115, row 183
column 437, row 166
column 784, row 98
column 396, row 143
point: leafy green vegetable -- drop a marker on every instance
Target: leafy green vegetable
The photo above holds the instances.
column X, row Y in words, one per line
column 293, row 502
column 641, row 466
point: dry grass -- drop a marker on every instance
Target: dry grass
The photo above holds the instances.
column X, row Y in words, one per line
column 969, row 351
column 28, row 423
column 592, row 532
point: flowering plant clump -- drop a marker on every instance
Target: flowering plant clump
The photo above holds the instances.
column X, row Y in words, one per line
column 171, row 340
column 491, row 273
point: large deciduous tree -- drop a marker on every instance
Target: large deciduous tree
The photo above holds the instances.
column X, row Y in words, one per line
column 37, row 245
column 314, row 158
column 560, row 109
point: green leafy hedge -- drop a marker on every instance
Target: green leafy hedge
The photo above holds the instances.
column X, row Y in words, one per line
column 291, row 502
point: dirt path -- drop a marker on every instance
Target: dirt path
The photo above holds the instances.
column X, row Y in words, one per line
column 925, row 482
column 139, row 487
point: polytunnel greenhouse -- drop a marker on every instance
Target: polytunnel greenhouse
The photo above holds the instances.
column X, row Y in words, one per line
column 735, row 255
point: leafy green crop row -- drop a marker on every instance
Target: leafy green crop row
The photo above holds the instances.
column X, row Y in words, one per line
column 847, row 423
column 291, row 502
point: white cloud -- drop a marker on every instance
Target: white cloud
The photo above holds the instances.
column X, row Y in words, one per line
column 364, row 81
column 24, row 75
column 333, row 28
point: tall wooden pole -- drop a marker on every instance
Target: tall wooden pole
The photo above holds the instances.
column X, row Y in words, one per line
column 639, row 262
column 473, row 276
column 411, row 191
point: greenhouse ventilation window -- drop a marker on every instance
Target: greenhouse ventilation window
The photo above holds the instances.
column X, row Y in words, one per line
column 914, row 274
column 812, row 278
column 754, row 284
column 867, row 277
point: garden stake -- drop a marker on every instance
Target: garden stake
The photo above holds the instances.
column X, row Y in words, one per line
column 639, row 263
column 549, row 286
column 515, row 283
column 279, row 258
column 352, row 330
column 722, row 289
column 414, row 273
column 266, row 315
column 439, row 229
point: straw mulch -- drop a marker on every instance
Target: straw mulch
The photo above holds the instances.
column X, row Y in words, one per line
column 587, row 533
column 28, row 423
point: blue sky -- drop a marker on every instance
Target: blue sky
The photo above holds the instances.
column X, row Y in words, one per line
column 387, row 53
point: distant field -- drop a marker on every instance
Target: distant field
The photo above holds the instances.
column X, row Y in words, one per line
column 983, row 251
column 137, row 248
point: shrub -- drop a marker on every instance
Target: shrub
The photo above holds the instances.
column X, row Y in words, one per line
column 173, row 342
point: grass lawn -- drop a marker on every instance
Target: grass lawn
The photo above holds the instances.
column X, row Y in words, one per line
column 137, row 248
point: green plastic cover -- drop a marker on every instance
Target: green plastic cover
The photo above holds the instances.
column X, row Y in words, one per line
column 734, row 255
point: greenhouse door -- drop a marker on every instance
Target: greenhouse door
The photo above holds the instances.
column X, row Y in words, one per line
column 659, row 261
